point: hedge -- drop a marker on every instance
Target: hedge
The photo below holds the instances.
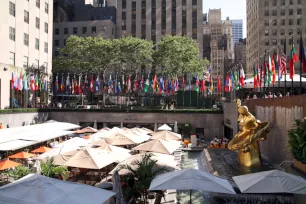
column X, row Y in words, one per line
column 34, row 110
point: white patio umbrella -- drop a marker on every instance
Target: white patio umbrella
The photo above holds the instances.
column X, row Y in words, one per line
column 166, row 135
column 160, row 146
column 89, row 158
column 191, row 179
column 164, row 127
column 125, row 139
column 273, row 181
column 38, row 189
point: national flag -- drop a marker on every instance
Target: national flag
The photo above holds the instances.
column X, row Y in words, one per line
column 255, row 77
column 169, row 86
column 142, row 83
column 302, row 56
column 183, row 83
column 68, row 84
column 56, row 84
column 97, row 84
column 219, row 84
column 135, row 85
column 226, row 85
column 25, row 81
column 293, row 59
column 76, row 86
column 110, row 85
column 203, row 85
column 72, row 85
column 236, row 79
column 85, row 87
column 12, row 80
column 189, row 84
column 80, row 90
column 128, row 84
column 20, row 82
column 197, row 84
column 273, row 70
column 242, row 76
column 92, row 84
column 161, row 85
column 211, row 88
column 155, row 84
column 176, row 84
column 147, row 85
column 62, row 84
column 232, row 82
column 283, row 63
column 36, row 83
column 46, row 84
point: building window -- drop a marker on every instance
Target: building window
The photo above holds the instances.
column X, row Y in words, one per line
column 266, row 13
column 46, row 47
column 93, row 29
column 12, row 33
column 36, row 63
column 143, row 4
column 36, row 44
column 290, row 31
column 299, row 12
column 46, row 7
column 290, row 12
column 75, row 30
column 290, row 22
column 282, row 12
column 299, row 2
column 274, row 32
column 12, row 58
column 266, row 33
column 274, row 22
column 274, row 3
column 84, row 30
column 298, row 31
column 266, row 2
column 290, row 2
column 194, row 2
column 56, row 53
column 25, row 62
column 143, row 14
column 194, row 36
column 56, row 42
column 283, row 2
column 26, row 39
column 266, row 42
column 282, row 32
column 56, row 31
column 38, row 3
column 123, row 15
column 183, row 2
column 123, row 4
column 274, row 42
column 123, row 27
column 46, row 27
column 37, row 23
column 299, row 21
column 266, row 22
column 65, row 31
column 102, row 28
column 12, row 9
column 26, row 16
column 274, row 13
column 283, row 22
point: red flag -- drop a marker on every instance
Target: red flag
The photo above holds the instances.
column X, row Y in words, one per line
column 92, row 84
column 292, row 61
column 242, row 76
column 219, row 84
column 203, row 86
column 273, row 70
column 183, row 82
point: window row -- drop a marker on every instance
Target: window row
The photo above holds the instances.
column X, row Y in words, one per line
column 282, row 12
column 75, row 30
column 163, row 3
column 12, row 7
column 282, row 41
column 25, row 61
column 282, row 2
column 282, row 32
column 283, row 22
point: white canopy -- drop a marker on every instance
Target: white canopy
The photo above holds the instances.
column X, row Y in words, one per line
column 273, row 181
column 164, row 127
column 38, row 189
column 191, row 179
column 160, row 146
column 249, row 83
column 125, row 139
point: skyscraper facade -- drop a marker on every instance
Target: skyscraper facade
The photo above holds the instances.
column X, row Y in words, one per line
column 237, row 30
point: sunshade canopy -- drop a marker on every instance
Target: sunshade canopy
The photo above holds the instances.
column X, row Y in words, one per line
column 21, row 155
column 76, row 141
column 191, row 179
column 41, row 149
column 89, row 158
column 162, row 160
column 38, row 189
column 166, row 135
column 125, row 139
column 86, row 130
column 160, row 146
column 7, row 164
column 164, row 127
column 273, row 181
column 103, row 145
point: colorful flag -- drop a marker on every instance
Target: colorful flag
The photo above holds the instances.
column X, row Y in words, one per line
column 147, row 85
column 92, row 84
column 236, row 79
column 20, row 82
column 226, row 86
column 232, row 82
column 273, row 70
column 97, row 84
column 142, row 83
column 12, row 80
column 68, row 84
column 242, row 76
column 197, row 84
column 135, row 85
column 283, row 63
column 183, row 83
column 293, row 59
column 62, row 84
column 155, row 84
column 302, row 56
column 80, row 91
column 211, row 88
column 56, row 83
column 25, row 81
column 219, row 84
column 36, row 83
column 203, row 86
column 255, row 77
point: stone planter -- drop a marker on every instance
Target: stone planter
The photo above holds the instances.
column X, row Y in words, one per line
column 299, row 165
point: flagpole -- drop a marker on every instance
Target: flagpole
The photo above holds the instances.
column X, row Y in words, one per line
column 183, row 91
column 279, row 65
column 260, row 72
column 301, row 59
column 285, row 52
column 273, row 76
column 292, row 44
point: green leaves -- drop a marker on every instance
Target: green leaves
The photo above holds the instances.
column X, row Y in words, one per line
column 50, row 170
column 297, row 140
column 18, row 172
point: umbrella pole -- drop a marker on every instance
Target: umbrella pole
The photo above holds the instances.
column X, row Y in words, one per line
column 190, row 193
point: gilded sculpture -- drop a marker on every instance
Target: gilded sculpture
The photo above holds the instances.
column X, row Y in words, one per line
column 246, row 140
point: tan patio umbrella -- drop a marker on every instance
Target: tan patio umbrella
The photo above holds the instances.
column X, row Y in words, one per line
column 146, row 129
column 162, row 160
column 160, row 146
column 141, row 131
column 89, row 158
column 103, row 145
column 166, row 135
column 86, row 130
column 125, row 139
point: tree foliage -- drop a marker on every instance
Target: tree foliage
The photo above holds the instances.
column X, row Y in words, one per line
column 176, row 55
column 18, row 172
column 179, row 55
column 50, row 170
column 297, row 141
column 143, row 172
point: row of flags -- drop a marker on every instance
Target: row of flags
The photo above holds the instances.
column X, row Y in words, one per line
column 23, row 81
column 234, row 80
column 122, row 84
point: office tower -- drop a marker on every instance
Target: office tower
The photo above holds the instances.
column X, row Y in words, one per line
column 237, row 30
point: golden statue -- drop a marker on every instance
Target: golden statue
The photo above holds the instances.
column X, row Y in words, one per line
column 246, row 140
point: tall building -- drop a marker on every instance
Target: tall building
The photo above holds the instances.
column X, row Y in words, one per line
column 218, row 45
column 269, row 22
column 151, row 19
column 237, row 30
column 26, row 40
column 95, row 18
column 240, row 52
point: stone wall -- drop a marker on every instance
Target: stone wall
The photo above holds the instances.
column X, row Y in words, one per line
column 212, row 123
column 281, row 113
column 17, row 119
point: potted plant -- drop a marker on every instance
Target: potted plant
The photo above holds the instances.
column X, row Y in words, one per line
column 297, row 144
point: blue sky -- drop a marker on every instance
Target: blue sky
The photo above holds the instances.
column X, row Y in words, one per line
column 234, row 9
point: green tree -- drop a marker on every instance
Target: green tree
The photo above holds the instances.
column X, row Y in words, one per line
column 297, row 140
column 179, row 55
column 143, row 172
column 132, row 53
column 50, row 170
column 18, row 172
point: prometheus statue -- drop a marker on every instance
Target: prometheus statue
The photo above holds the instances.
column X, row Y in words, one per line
column 246, row 140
